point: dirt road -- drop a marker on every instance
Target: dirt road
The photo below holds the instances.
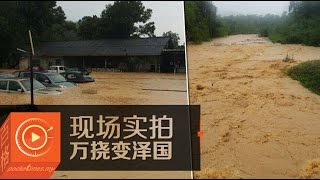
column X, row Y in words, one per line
column 257, row 122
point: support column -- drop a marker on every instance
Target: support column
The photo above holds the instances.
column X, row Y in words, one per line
column 159, row 62
column 159, row 67
column 155, row 65
column 83, row 62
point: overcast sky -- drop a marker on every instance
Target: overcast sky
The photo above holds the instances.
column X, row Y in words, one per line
column 251, row 7
column 167, row 15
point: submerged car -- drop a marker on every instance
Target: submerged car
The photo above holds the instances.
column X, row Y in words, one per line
column 53, row 80
column 19, row 73
column 77, row 77
column 82, row 70
column 57, row 69
column 23, row 85
column 22, row 73
column 4, row 76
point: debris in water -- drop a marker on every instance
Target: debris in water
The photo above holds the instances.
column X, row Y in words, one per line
column 89, row 91
column 200, row 87
column 311, row 170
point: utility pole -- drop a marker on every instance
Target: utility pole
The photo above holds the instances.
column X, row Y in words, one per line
column 31, row 68
column 31, row 53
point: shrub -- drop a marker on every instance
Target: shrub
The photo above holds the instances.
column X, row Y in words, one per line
column 308, row 74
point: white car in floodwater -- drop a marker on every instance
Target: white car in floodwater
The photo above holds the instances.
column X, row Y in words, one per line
column 57, row 69
column 23, row 85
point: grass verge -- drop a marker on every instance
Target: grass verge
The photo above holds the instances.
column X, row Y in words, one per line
column 308, row 74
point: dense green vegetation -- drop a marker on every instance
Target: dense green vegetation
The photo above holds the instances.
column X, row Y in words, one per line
column 201, row 21
column 300, row 25
column 308, row 73
column 251, row 24
column 118, row 20
column 173, row 39
column 47, row 21
column 16, row 17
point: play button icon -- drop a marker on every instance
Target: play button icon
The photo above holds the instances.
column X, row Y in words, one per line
column 34, row 137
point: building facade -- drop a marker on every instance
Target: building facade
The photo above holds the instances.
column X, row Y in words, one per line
column 138, row 55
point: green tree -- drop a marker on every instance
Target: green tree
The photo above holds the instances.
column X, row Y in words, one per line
column 17, row 17
column 89, row 27
column 39, row 16
column 301, row 25
column 65, row 31
column 122, row 19
column 201, row 21
column 145, row 30
column 119, row 20
column 173, row 39
column 250, row 24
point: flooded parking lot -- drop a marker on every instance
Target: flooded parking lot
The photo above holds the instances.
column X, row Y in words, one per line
column 114, row 88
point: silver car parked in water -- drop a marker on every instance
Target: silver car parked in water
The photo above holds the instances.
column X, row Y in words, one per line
column 23, row 85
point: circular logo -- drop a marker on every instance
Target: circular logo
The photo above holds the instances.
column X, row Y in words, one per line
column 34, row 137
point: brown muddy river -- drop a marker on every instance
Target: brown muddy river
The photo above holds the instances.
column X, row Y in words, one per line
column 256, row 121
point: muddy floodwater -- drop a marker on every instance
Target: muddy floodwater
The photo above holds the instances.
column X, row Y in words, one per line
column 114, row 88
column 256, row 121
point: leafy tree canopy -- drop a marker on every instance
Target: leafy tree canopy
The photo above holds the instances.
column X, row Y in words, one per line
column 122, row 19
column 201, row 21
column 173, row 39
column 17, row 17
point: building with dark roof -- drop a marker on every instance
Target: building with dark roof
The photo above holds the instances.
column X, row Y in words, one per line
column 136, row 54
